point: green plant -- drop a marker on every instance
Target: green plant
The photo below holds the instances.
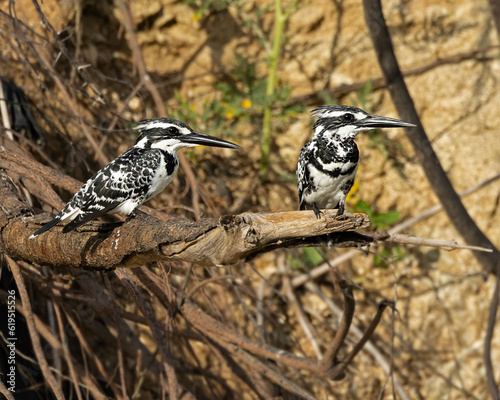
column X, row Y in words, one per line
column 242, row 96
column 363, row 97
column 201, row 7
column 280, row 18
column 390, row 254
column 378, row 220
column 309, row 258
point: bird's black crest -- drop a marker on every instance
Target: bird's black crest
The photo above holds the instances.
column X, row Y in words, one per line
column 154, row 126
column 322, row 111
column 326, row 118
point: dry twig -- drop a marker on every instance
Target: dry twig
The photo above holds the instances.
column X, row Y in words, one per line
column 34, row 335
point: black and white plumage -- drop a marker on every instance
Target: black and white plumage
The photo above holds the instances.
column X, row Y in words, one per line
column 135, row 176
column 327, row 165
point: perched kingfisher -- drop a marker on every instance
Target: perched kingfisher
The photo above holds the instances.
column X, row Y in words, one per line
column 328, row 164
column 135, row 176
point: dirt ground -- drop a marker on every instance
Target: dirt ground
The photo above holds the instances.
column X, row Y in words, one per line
column 435, row 342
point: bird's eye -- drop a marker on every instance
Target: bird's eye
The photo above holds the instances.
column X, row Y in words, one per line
column 172, row 130
column 348, row 117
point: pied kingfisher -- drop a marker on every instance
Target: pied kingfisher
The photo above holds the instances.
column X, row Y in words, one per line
column 135, row 176
column 328, row 164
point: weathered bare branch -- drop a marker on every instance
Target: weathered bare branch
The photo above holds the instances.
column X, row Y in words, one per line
column 444, row 244
column 144, row 239
column 3, row 389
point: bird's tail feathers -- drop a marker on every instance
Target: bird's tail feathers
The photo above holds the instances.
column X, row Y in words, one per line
column 64, row 215
column 73, row 225
column 46, row 227
column 82, row 219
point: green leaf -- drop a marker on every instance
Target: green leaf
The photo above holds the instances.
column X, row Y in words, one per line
column 383, row 220
column 311, row 257
column 378, row 220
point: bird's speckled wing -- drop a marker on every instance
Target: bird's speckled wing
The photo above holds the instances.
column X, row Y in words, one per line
column 303, row 173
column 128, row 177
column 125, row 179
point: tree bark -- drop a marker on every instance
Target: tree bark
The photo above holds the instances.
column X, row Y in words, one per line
column 495, row 13
column 144, row 239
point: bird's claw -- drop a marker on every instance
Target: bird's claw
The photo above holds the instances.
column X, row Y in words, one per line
column 317, row 212
column 340, row 216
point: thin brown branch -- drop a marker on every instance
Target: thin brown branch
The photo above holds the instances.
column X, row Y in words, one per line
column 92, row 288
column 490, row 374
column 260, row 367
column 173, row 385
column 72, row 105
column 369, row 347
column 205, row 323
column 380, row 83
column 306, row 326
column 433, row 169
column 104, row 372
column 444, row 244
column 34, row 335
column 66, row 351
column 340, row 366
column 119, row 344
column 330, row 357
column 3, row 389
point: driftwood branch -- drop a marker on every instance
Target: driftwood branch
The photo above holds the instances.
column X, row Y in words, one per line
column 145, row 238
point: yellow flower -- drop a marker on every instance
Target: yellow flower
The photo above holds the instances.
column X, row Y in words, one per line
column 246, row 103
column 197, row 16
column 229, row 115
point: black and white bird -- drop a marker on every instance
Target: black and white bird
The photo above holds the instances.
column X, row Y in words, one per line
column 328, row 164
column 135, row 176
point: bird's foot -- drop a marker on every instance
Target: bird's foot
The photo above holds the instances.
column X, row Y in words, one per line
column 317, row 212
column 340, row 216
column 136, row 213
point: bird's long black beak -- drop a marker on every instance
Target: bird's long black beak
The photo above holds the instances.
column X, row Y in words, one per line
column 374, row 121
column 197, row 138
